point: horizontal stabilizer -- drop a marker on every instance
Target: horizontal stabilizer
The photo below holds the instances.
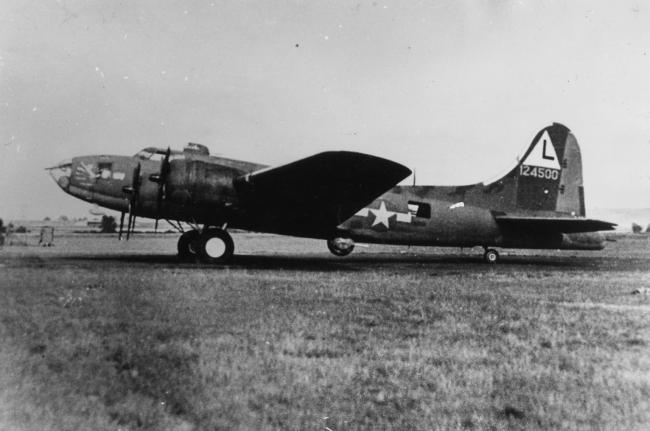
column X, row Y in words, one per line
column 316, row 194
column 553, row 224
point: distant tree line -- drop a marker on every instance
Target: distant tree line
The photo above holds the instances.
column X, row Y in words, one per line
column 108, row 224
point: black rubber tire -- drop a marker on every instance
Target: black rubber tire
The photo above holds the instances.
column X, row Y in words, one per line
column 331, row 245
column 205, row 252
column 187, row 245
column 491, row 256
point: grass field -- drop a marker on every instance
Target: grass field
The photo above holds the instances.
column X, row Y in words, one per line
column 101, row 335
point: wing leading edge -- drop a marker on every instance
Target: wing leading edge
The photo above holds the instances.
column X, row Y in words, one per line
column 312, row 196
column 553, row 224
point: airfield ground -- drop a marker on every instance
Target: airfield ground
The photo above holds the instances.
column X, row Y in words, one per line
column 105, row 335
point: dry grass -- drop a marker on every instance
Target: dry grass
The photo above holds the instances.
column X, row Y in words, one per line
column 114, row 338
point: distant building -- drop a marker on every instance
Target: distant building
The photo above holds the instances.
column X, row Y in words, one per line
column 94, row 223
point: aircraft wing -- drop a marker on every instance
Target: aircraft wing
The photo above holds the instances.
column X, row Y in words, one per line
column 314, row 195
column 553, row 224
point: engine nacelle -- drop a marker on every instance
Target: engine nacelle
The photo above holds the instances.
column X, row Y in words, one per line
column 201, row 183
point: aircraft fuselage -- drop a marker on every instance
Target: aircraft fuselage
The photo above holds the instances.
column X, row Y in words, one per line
column 344, row 197
column 406, row 216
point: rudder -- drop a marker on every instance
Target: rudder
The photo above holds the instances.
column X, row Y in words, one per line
column 571, row 199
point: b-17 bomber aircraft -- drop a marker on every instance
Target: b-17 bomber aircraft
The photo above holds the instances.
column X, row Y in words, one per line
column 343, row 197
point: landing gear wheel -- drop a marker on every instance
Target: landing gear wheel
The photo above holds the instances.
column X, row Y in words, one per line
column 215, row 246
column 491, row 256
column 187, row 245
column 340, row 246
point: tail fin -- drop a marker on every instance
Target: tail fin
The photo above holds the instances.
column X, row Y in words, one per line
column 548, row 177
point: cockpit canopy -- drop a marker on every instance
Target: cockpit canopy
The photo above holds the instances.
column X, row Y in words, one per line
column 158, row 154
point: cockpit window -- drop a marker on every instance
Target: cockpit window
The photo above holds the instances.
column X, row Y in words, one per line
column 104, row 170
column 144, row 154
column 157, row 157
column 157, row 154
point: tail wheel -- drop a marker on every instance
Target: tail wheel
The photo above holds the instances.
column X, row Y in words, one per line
column 215, row 246
column 187, row 245
column 491, row 256
column 340, row 246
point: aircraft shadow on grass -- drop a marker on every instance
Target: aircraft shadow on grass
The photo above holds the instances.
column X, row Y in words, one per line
column 358, row 263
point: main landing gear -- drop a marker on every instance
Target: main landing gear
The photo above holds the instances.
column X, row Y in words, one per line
column 212, row 245
column 490, row 256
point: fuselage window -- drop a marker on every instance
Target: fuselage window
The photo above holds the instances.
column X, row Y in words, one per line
column 420, row 209
column 104, row 170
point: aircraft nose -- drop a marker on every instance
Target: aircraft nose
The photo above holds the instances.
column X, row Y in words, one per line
column 61, row 173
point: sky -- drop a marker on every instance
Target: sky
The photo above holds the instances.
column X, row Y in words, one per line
column 454, row 89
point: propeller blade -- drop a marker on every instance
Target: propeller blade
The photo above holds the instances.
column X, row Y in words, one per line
column 119, row 237
column 133, row 202
column 161, row 178
column 128, row 226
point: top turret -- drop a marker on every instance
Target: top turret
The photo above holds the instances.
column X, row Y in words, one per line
column 196, row 149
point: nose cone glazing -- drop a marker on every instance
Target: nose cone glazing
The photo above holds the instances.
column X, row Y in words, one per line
column 61, row 173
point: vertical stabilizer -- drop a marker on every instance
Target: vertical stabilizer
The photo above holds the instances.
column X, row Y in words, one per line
column 548, row 178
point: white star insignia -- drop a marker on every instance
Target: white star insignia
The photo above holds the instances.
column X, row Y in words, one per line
column 381, row 215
